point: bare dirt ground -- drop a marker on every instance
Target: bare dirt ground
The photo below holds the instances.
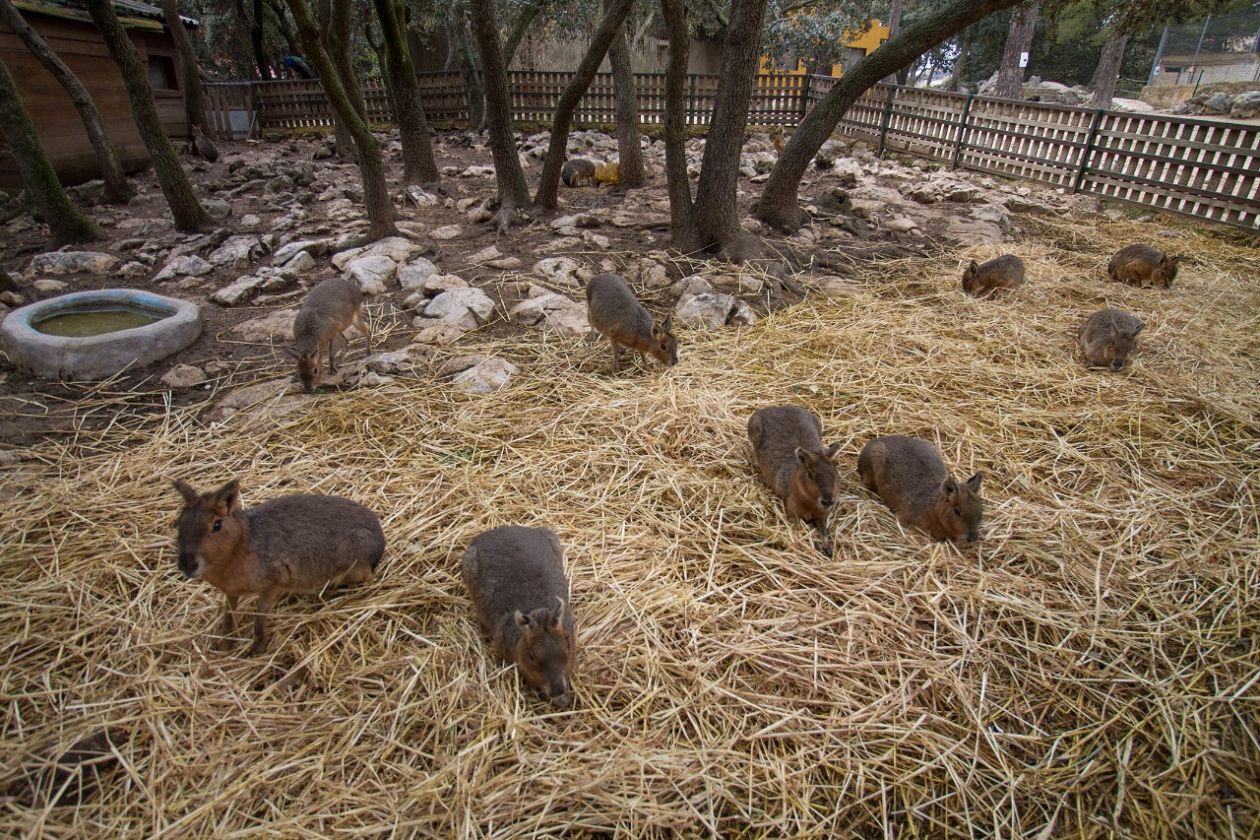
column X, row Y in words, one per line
column 277, row 192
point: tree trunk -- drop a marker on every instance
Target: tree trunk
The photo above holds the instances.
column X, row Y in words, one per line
column 382, row 62
column 1108, row 71
column 960, row 63
column 372, row 169
column 1019, row 39
column 52, row 204
column 549, row 181
column 715, row 207
column 473, row 87
column 894, row 29
column 629, row 152
column 778, row 205
column 116, row 187
column 419, row 167
column 513, row 191
column 519, row 27
column 256, row 40
column 185, row 208
column 682, row 217
column 194, row 101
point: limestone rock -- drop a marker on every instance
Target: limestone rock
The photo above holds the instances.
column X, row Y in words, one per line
column 269, row 329
column 553, row 311
column 371, row 273
column 713, row 309
column 477, row 374
column 562, row 271
column 466, row 308
column 186, row 266
column 446, row 232
column 398, row 249
column 183, row 376
column 237, row 250
column 72, row 262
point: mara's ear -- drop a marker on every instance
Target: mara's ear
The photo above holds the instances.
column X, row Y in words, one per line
column 292, row 352
column 973, row 483
column 185, row 489
column 973, row 267
column 832, row 450
column 949, row 489
column 557, row 615
column 1141, row 326
column 1172, row 261
column 803, row 456
column 522, row 621
column 227, row 498
column 668, row 326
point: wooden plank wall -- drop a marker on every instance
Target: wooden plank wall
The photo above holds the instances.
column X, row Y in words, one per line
column 64, row 138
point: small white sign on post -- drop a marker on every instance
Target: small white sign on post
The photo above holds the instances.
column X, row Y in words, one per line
column 1023, row 59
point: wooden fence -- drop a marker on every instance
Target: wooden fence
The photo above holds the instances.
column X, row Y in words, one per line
column 1203, row 168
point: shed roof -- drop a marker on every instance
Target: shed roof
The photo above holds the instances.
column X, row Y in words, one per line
column 131, row 13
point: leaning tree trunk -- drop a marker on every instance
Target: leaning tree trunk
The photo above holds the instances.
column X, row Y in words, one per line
column 185, row 208
column 117, row 189
column 519, row 27
column 194, row 100
column 960, row 63
column 418, row 164
column 778, row 205
column 1107, row 73
column 382, row 62
column 513, row 191
column 682, row 216
column 894, row 29
column 336, row 39
column 719, row 173
column 549, row 181
column 1010, row 78
column 65, row 222
column 371, row 167
column 629, row 152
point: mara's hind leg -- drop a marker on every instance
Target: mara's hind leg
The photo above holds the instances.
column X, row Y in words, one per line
column 867, row 473
column 266, row 601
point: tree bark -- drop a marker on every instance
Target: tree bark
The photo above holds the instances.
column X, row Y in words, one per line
column 778, row 204
column 50, row 201
column 715, row 207
column 185, row 208
column 382, row 61
column 282, row 23
column 1108, row 71
column 194, row 101
column 1019, row 40
column 371, row 167
column 473, row 86
column 549, row 181
column 629, row 152
column 682, row 217
column 419, row 167
column 519, row 27
column 513, row 191
column 256, row 40
column 960, row 63
column 117, row 189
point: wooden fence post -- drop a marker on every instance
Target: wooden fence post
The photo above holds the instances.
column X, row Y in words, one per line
column 1088, row 152
column 251, row 101
column 886, row 119
column 691, row 100
column 804, row 98
column 962, row 132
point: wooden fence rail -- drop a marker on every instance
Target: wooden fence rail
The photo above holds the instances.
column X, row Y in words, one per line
column 1202, row 168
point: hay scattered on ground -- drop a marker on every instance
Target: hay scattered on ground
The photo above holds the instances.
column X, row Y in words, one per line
column 1091, row 669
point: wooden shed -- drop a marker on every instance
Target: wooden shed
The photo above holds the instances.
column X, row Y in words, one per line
column 69, row 30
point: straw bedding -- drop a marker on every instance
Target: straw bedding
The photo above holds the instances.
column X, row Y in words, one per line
column 1090, row 670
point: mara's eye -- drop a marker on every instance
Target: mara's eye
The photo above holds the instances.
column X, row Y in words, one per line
column 957, row 512
column 218, row 523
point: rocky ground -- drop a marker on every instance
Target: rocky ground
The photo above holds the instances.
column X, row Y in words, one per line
column 286, row 212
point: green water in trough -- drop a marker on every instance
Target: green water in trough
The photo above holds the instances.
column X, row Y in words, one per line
column 81, row 323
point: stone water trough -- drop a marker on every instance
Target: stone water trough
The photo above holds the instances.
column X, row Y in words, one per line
column 94, row 335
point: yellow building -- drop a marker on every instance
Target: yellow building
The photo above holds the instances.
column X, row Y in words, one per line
column 856, row 46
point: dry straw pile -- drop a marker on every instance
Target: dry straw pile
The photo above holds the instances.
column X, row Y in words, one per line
column 1091, row 670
